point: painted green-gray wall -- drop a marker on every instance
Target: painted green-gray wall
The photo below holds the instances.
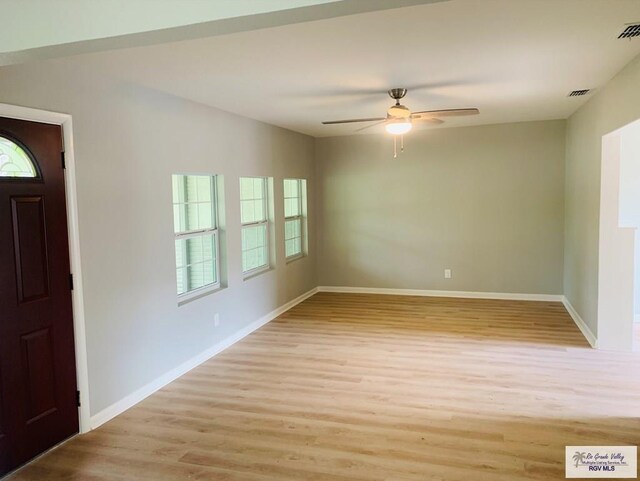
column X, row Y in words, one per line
column 612, row 107
column 486, row 202
column 128, row 142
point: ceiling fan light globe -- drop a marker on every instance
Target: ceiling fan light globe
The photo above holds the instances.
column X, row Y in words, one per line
column 399, row 111
column 398, row 128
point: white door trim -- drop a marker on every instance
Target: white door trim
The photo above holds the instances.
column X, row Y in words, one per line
column 64, row 120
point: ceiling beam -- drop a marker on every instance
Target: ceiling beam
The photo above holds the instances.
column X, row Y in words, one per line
column 212, row 28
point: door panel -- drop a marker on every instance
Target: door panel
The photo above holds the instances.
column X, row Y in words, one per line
column 39, row 379
column 38, row 404
column 29, row 240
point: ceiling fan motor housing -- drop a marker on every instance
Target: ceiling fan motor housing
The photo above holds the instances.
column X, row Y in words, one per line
column 397, row 94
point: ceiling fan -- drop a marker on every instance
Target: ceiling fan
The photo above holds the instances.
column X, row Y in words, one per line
column 400, row 119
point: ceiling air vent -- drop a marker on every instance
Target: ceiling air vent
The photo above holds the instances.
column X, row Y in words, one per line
column 578, row 93
column 632, row 30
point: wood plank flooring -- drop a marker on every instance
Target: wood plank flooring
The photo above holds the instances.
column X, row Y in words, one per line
column 355, row 387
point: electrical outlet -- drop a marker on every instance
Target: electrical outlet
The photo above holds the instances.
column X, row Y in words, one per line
column 216, row 320
column 447, row 273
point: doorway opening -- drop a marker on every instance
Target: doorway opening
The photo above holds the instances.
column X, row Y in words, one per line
column 619, row 254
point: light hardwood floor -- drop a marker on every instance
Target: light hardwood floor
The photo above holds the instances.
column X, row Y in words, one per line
column 350, row 387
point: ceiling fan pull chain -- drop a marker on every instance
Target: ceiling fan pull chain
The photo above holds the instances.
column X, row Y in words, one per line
column 401, row 143
column 395, row 149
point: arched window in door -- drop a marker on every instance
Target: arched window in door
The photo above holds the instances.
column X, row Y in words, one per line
column 15, row 161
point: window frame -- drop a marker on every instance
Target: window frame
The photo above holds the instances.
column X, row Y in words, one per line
column 300, row 218
column 213, row 232
column 245, row 225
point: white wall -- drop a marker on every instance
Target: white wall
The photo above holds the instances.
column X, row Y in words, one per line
column 630, row 195
column 128, row 142
column 486, row 202
column 612, row 106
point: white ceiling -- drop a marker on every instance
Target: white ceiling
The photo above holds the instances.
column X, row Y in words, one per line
column 515, row 60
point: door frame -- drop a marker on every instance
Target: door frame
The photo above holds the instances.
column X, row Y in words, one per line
column 77, row 297
column 616, row 254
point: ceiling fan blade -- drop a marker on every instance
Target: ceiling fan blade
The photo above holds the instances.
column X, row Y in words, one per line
column 370, row 125
column 428, row 120
column 351, row 121
column 446, row 113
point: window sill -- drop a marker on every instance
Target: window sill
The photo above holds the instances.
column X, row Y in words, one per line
column 256, row 273
column 295, row 258
column 198, row 294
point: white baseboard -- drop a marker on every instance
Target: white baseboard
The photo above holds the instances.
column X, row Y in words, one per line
column 145, row 391
column 584, row 329
column 431, row 293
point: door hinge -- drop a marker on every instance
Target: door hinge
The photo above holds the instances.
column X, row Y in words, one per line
column 71, row 281
column 62, row 158
column 78, row 398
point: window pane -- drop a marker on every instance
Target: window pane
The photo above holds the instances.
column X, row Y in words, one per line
column 195, row 274
column 179, row 222
column 14, row 162
column 261, row 257
column 253, row 195
column 181, row 257
column 293, row 211
column 208, row 272
column 293, row 247
column 194, row 250
column 258, row 188
column 292, row 200
column 204, row 188
column 246, row 188
column 196, row 262
column 205, row 216
column 178, row 191
column 182, row 283
column 293, row 237
column 258, row 210
column 253, row 201
column 254, row 247
column 287, row 188
column 194, row 210
column 290, row 248
column 297, row 245
column 292, row 228
column 191, row 211
column 193, row 205
column 249, row 238
column 192, row 183
column 247, row 214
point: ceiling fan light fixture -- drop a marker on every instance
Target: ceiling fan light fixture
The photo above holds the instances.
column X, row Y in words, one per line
column 399, row 111
column 398, row 127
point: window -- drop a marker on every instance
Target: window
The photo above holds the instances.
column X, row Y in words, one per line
column 196, row 233
column 255, row 224
column 294, row 217
column 14, row 161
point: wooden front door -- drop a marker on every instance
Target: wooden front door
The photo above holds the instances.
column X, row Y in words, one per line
column 38, row 397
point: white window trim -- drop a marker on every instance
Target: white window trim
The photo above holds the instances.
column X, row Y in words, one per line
column 201, row 291
column 260, row 269
column 299, row 217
